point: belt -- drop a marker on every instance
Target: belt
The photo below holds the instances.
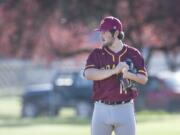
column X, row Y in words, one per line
column 113, row 102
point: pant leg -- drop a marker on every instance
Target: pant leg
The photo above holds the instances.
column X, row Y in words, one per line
column 126, row 124
column 128, row 129
column 99, row 125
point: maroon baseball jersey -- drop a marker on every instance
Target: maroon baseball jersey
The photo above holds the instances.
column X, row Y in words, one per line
column 104, row 58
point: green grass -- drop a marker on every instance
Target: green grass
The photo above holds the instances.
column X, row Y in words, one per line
column 148, row 123
column 158, row 123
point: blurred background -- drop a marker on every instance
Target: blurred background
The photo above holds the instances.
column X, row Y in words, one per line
column 44, row 45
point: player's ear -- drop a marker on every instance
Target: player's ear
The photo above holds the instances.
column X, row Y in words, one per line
column 121, row 35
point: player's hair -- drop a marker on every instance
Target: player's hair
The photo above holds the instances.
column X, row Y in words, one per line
column 120, row 36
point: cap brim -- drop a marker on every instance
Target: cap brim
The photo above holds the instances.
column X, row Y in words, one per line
column 99, row 30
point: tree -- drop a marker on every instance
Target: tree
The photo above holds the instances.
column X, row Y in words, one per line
column 45, row 29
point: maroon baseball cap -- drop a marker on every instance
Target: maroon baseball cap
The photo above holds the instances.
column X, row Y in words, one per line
column 110, row 23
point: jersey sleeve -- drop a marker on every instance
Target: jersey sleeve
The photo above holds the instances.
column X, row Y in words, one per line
column 92, row 61
column 139, row 63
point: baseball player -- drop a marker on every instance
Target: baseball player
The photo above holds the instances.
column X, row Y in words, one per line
column 107, row 66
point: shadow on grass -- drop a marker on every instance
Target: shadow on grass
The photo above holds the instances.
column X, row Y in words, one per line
column 6, row 121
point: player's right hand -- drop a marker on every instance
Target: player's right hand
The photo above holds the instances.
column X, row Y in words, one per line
column 121, row 66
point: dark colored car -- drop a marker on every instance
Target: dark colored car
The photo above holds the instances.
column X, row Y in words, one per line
column 66, row 90
column 161, row 92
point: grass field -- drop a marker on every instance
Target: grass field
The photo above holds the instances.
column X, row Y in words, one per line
column 148, row 123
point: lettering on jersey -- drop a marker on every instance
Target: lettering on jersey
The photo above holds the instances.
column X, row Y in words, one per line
column 106, row 67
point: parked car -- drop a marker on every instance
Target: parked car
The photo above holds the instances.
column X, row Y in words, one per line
column 161, row 92
column 65, row 90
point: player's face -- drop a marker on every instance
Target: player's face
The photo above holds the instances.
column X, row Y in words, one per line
column 106, row 38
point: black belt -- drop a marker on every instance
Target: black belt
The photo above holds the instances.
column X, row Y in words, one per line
column 113, row 102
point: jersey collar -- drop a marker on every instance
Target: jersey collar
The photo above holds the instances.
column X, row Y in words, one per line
column 118, row 54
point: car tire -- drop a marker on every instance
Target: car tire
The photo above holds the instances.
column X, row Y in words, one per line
column 29, row 110
column 53, row 113
column 84, row 109
column 174, row 106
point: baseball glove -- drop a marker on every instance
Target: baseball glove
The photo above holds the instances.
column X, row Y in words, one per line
column 126, row 83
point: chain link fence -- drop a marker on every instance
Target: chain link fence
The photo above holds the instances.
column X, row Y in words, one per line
column 15, row 75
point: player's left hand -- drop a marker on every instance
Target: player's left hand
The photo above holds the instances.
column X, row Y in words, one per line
column 125, row 73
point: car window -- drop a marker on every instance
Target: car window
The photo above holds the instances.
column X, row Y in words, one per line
column 172, row 83
column 64, row 80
